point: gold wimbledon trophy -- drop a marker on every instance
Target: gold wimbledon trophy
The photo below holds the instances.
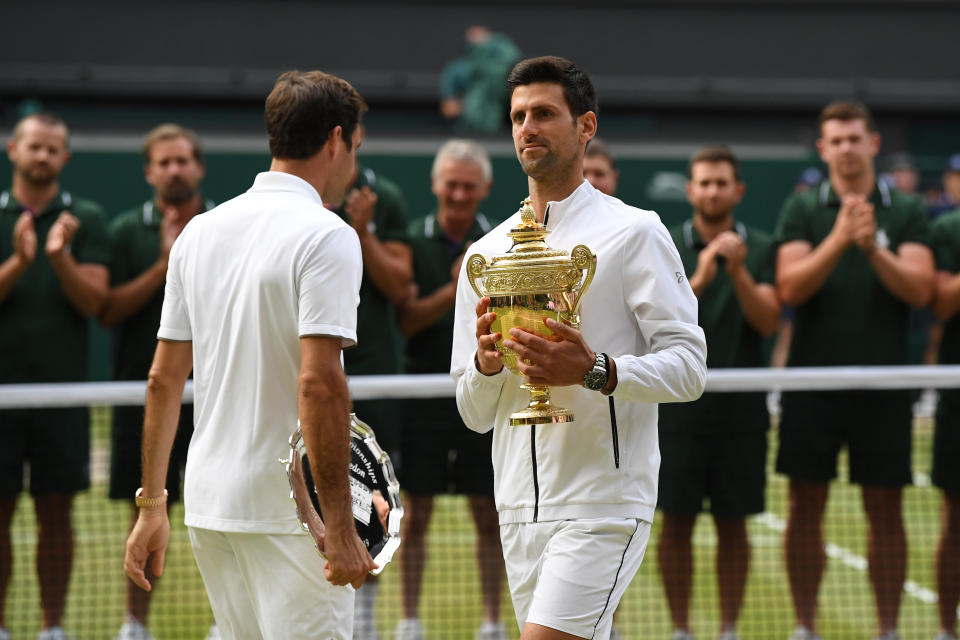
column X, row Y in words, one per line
column 527, row 283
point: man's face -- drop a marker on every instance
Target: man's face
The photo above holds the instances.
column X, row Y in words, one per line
column 39, row 153
column 598, row 171
column 713, row 190
column 547, row 137
column 460, row 188
column 951, row 184
column 847, row 147
column 173, row 171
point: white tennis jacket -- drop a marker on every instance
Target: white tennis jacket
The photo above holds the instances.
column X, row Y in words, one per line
column 639, row 310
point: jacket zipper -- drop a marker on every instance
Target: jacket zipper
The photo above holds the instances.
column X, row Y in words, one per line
column 536, row 482
column 614, row 433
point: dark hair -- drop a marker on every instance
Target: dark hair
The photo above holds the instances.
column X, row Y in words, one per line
column 715, row 154
column 847, row 110
column 304, row 108
column 170, row 131
column 578, row 91
column 47, row 118
column 597, row 149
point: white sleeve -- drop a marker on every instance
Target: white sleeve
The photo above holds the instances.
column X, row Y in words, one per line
column 674, row 369
column 477, row 395
column 174, row 316
column 329, row 286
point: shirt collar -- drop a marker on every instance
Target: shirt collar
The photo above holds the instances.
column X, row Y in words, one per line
column 281, row 181
column 557, row 210
column 152, row 219
column 828, row 197
column 59, row 203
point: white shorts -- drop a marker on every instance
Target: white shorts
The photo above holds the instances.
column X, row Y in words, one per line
column 569, row 575
column 270, row 586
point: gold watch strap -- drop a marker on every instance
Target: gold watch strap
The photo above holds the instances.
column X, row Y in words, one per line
column 156, row 501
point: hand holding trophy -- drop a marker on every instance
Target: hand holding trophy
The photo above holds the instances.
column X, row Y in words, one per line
column 529, row 282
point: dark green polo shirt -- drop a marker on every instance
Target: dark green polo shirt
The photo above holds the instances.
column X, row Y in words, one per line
column 731, row 341
column 135, row 244
column 853, row 319
column 433, row 256
column 945, row 233
column 377, row 350
column 42, row 336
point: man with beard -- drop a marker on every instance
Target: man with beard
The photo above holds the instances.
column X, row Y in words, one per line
column 54, row 253
column 141, row 239
column 600, row 167
column 714, row 450
column 853, row 258
column 576, row 499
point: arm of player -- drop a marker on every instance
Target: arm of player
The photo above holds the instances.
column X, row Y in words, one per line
column 171, row 366
column 84, row 284
column 478, row 391
column 24, row 252
column 388, row 263
column 323, row 402
column 946, row 301
column 418, row 313
column 674, row 368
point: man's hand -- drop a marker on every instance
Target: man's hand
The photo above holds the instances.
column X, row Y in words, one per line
column 864, row 227
column 557, row 363
column 359, row 206
column 489, row 360
column 150, row 534
column 61, row 233
column 845, row 224
column 732, row 247
column 348, row 561
column 25, row 239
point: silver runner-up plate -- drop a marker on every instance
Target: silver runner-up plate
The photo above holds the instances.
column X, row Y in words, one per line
column 375, row 493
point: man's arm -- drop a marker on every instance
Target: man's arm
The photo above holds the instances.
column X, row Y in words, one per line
column 324, row 408
column 416, row 314
column 24, row 252
column 389, row 263
column 171, row 366
column 946, row 302
column 908, row 274
column 84, row 284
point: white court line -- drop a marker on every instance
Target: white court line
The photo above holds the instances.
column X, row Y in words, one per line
column 851, row 559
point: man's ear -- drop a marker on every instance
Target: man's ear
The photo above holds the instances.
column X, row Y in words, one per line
column 334, row 139
column 587, row 124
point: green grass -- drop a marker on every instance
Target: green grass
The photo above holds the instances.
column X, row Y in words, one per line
column 450, row 606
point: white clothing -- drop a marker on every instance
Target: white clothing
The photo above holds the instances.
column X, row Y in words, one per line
column 270, row 586
column 569, row 575
column 641, row 311
column 245, row 282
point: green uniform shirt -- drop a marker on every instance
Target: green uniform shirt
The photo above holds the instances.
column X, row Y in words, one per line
column 42, row 336
column 946, row 247
column 135, row 243
column 434, row 253
column 731, row 341
column 376, row 350
column 853, row 319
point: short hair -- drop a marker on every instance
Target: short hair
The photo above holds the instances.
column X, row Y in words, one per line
column 596, row 148
column 47, row 118
column 715, row 154
column 463, row 150
column 302, row 110
column 578, row 90
column 170, row 131
column 847, row 110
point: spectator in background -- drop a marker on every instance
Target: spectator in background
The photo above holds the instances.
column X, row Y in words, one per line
column 141, row 239
column 375, row 209
column 473, row 89
column 853, row 258
column 901, row 173
column 950, row 199
column 714, row 450
column 54, row 254
column 946, row 444
column 600, row 167
column 440, row 455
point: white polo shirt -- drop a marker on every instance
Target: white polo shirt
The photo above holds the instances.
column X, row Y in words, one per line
column 245, row 282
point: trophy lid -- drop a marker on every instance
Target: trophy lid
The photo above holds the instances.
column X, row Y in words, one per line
column 529, row 236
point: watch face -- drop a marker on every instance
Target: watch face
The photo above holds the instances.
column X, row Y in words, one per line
column 595, row 379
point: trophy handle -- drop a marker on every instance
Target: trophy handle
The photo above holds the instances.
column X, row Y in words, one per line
column 586, row 261
column 475, row 266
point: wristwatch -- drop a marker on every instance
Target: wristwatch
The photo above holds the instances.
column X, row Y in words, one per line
column 596, row 378
column 140, row 501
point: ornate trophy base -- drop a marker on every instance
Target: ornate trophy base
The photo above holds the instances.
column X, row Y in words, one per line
column 540, row 411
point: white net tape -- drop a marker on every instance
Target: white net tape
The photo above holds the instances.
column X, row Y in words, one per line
column 13, row 396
